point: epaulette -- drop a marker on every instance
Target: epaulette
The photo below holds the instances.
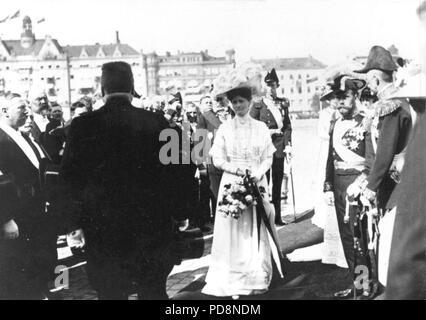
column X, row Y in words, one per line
column 386, row 107
column 257, row 103
column 284, row 100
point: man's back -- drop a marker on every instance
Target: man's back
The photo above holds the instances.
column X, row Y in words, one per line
column 112, row 162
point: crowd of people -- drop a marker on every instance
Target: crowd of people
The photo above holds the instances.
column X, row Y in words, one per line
column 101, row 177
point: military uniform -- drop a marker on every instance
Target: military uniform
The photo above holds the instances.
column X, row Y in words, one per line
column 390, row 131
column 346, row 164
column 274, row 113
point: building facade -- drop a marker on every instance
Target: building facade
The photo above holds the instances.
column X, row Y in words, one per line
column 298, row 80
column 64, row 73
column 189, row 72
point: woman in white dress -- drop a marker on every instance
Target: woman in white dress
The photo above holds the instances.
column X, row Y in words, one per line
column 240, row 264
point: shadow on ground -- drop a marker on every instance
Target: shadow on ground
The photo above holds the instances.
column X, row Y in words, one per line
column 302, row 280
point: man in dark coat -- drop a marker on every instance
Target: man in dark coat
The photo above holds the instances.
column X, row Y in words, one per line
column 273, row 111
column 27, row 234
column 407, row 262
column 123, row 191
column 390, row 128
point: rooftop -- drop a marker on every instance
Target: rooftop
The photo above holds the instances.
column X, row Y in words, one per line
column 92, row 50
column 15, row 49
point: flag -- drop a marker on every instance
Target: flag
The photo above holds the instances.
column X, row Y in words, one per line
column 4, row 20
column 41, row 20
column 16, row 15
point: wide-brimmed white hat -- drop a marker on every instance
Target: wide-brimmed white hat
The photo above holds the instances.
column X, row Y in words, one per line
column 246, row 75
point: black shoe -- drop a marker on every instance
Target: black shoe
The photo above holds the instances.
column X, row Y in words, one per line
column 280, row 222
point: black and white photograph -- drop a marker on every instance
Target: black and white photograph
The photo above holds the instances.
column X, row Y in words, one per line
column 232, row 151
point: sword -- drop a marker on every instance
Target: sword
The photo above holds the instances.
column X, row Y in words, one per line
column 292, row 186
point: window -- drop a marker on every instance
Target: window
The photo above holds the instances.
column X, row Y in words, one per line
column 42, row 79
column 282, row 77
column 291, row 77
column 50, row 67
column 309, row 89
column 292, row 90
column 299, row 77
column 192, row 71
column 307, row 76
column 57, row 67
column 41, row 67
column 282, row 90
column 299, row 89
column 72, row 76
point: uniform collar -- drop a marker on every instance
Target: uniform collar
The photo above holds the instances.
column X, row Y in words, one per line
column 386, row 91
column 127, row 96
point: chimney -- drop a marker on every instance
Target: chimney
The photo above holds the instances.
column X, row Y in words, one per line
column 117, row 37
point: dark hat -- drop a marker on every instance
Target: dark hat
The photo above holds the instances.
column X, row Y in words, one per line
column 243, row 91
column 117, row 77
column 176, row 97
column 379, row 59
column 341, row 84
column 272, row 77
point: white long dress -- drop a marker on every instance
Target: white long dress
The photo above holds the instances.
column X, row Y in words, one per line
column 239, row 265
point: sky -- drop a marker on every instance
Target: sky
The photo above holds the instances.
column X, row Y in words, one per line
column 329, row 30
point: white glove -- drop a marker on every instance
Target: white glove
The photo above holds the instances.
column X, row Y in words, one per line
column 9, row 230
column 353, row 191
column 369, row 194
column 76, row 239
column 288, row 151
column 329, row 198
column 257, row 176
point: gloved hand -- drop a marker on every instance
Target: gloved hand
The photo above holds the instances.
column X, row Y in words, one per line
column 76, row 239
column 288, row 151
column 9, row 230
column 329, row 198
column 353, row 191
column 257, row 176
column 370, row 195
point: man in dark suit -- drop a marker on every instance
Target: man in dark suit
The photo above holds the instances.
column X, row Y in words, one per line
column 123, row 191
column 209, row 121
column 27, row 235
column 273, row 111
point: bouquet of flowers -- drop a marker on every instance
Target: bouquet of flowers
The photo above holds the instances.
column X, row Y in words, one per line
column 238, row 196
